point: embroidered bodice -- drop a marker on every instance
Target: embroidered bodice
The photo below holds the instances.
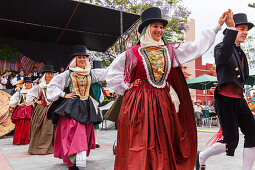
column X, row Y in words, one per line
column 80, row 85
column 153, row 64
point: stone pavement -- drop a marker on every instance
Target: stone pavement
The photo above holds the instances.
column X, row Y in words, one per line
column 16, row 157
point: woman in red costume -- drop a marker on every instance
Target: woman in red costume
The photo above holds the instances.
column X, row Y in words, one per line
column 156, row 127
column 22, row 113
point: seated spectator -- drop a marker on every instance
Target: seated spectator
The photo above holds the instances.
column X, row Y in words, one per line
column 198, row 112
column 253, row 98
column 251, row 105
column 212, row 113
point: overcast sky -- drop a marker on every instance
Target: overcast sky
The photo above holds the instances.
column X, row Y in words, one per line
column 207, row 12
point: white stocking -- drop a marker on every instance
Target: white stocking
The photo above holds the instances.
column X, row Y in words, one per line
column 248, row 158
column 96, row 133
column 215, row 149
column 81, row 159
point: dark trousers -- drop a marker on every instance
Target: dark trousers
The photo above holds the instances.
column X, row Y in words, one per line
column 234, row 113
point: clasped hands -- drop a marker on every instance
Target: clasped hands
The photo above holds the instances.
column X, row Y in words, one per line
column 227, row 17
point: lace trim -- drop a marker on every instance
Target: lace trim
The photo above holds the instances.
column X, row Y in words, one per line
column 82, row 92
column 166, row 63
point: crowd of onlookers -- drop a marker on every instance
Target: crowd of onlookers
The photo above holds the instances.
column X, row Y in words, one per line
column 8, row 81
column 200, row 109
column 205, row 110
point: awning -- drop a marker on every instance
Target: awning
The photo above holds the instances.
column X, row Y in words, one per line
column 63, row 22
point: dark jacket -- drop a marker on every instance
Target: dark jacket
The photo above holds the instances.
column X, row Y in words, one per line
column 228, row 60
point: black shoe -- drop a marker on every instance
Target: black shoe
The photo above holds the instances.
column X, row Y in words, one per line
column 74, row 167
column 97, row 146
column 198, row 166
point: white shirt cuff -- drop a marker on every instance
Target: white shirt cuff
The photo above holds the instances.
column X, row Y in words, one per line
column 231, row 28
column 62, row 94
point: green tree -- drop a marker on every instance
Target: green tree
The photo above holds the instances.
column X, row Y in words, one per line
column 172, row 10
column 249, row 48
column 251, row 5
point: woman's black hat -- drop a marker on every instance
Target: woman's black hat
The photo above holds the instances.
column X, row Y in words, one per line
column 79, row 50
column 48, row 68
column 27, row 79
column 241, row 19
column 151, row 15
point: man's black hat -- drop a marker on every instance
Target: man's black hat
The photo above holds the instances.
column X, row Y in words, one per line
column 27, row 79
column 48, row 68
column 79, row 50
column 241, row 19
column 151, row 15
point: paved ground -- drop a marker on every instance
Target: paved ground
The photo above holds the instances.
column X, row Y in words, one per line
column 16, row 157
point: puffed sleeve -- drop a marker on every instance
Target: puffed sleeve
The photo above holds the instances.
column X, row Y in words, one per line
column 57, row 85
column 14, row 81
column 115, row 75
column 98, row 74
column 15, row 100
column 33, row 95
column 4, row 80
column 189, row 51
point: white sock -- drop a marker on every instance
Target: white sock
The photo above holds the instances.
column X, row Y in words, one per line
column 248, row 158
column 215, row 149
column 96, row 133
column 81, row 158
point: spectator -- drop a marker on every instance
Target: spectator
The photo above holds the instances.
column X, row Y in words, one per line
column 18, row 80
column 62, row 69
column 198, row 111
column 253, row 98
column 5, row 79
column 35, row 74
column 212, row 113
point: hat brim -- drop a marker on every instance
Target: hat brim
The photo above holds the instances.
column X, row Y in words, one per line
column 250, row 26
column 80, row 54
column 151, row 20
column 50, row 71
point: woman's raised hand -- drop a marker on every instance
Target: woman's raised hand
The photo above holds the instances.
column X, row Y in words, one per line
column 223, row 18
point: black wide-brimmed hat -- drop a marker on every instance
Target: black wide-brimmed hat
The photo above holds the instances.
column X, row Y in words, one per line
column 27, row 79
column 241, row 19
column 79, row 50
column 151, row 15
column 48, row 68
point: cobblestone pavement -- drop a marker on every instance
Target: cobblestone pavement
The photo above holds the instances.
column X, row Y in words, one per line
column 13, row 157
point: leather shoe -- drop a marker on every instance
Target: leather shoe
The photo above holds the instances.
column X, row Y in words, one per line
column 198, row 166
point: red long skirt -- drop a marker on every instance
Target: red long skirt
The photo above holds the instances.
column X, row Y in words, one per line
column 21, row 132
column 72, row 137
column 149, row 133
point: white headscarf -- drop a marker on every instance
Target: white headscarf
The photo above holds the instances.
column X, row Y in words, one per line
column 73, row 66
column 24, row 90
column 42, row 81
column 147, row 40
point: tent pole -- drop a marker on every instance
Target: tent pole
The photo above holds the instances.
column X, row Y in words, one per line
column 205, row 95
column 121, row 31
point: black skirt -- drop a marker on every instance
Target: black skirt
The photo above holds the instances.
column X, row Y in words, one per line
column 81, row 110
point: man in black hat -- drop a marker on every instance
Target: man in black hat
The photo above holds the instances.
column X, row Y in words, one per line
column 233, row 112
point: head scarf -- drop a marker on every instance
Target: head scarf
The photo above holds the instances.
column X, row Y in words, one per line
column 73, row 66
column 146, row 39
column 42, row 81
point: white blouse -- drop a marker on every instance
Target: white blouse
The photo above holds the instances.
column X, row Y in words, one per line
column 15, row 99
column 33, row 95
column 185, row 52
column 57, row 85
